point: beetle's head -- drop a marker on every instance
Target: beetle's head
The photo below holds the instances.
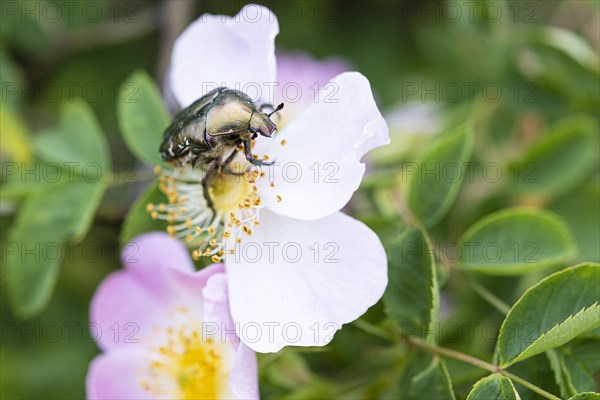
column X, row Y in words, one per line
column 261, row 123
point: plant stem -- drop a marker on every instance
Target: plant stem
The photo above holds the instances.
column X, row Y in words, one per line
column 529, row 385
column 478, row 363
column 457, row 355
column 489, row 296
column 372, row 329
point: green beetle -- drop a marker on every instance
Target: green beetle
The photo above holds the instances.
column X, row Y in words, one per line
column 212, row 127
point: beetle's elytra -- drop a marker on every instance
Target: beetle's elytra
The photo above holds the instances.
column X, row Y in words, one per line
column 212, row 127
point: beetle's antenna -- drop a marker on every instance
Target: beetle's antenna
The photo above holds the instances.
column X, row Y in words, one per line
column 279, row 107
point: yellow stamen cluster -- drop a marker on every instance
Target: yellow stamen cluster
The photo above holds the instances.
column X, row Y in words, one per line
column 185, row 364
column 235, row 208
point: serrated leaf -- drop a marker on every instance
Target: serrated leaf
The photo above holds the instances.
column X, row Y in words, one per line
column 138, row 219
column 143, row 117
column 586, row 396
column 412, row 294
column 551, row 313
column 437, row 179
column 35, row 246
column 494, row 387
column 77, row 143
column 558, row 160
column 515, row 241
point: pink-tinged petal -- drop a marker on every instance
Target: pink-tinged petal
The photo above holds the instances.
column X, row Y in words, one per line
column 124, row 311
column 217, row 50
column 117, row 375
column 188, row 287
column 319, row 167
column 300, row 78
column 296, row 282
column 216, row 306
column 155, row 251
column 243, row 380
column 128, row 306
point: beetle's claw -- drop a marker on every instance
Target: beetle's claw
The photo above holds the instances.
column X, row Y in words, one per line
column 259, row 163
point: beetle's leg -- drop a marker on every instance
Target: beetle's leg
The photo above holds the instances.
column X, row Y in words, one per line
column 224, row 165
column 250, row 158
column 194, row 156
column 210, row 172
column 229, row 158
column 254, row 133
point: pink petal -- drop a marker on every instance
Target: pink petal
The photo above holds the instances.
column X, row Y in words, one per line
column 124, row 311
column 117, row 375
column 129, row 304
column 216, row 306
column 217, row 50
column 148, row 256
column 189, row 287
column 301, row 77
column 243, row 381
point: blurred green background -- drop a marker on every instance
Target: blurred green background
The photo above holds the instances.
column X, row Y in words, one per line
column 452, row 57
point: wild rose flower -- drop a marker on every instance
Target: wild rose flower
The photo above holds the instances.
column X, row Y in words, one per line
column 165, row 330
column 297, row 268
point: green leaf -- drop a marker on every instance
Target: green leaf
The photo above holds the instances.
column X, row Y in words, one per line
column 558, row 367
column 10, row 79
column 584, row 357
column 574, row 367
column 580, row 210
column 437, row 179
column 494, row 387
column 558, row 160
column 77, row 143
column 35, row 246
column 412, row 294
column 586, row 396
column 537, row 371
column 515, row 241
column 143, row 117
column 551, row 313
column 15, row 140
column 424, row 377
column 138, row 219
column 432, row 383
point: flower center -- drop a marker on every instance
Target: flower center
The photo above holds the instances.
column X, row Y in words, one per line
column 235, row 208
column 187, row 366
column 228, row 191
